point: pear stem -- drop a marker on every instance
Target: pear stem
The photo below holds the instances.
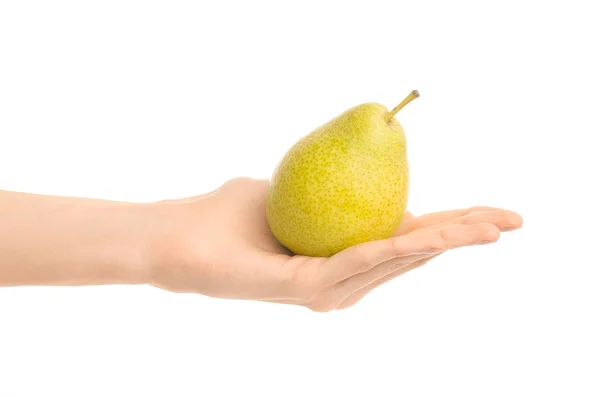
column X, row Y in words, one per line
column 413, row 95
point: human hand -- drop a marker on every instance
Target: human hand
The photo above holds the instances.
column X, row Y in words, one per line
column 220, row 245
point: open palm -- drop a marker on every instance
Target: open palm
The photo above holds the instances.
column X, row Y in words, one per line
column 249, row 262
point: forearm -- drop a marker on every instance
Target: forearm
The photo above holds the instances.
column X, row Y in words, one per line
column 48, row 240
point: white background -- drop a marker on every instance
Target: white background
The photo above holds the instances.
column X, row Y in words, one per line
column 147, row 100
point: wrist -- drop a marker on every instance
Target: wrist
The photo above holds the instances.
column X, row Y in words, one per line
column 122, row 242
column 158, row 240
column 179, row 243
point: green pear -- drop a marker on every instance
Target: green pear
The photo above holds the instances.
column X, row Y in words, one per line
column 343, row 184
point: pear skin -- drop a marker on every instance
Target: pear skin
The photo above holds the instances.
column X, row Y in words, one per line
column 343, row 184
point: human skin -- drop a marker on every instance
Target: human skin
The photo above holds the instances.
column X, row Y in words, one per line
column 218, row 244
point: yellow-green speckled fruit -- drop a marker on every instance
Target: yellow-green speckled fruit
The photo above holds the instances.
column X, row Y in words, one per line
column 343, row 184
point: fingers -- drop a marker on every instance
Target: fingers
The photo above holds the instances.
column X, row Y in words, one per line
column 503, row 219
column 361, row 293
column 470, row 234
column 435, row 218
column 364, row 257
column 350, row 285
column 454, row 236
column 324, row 284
